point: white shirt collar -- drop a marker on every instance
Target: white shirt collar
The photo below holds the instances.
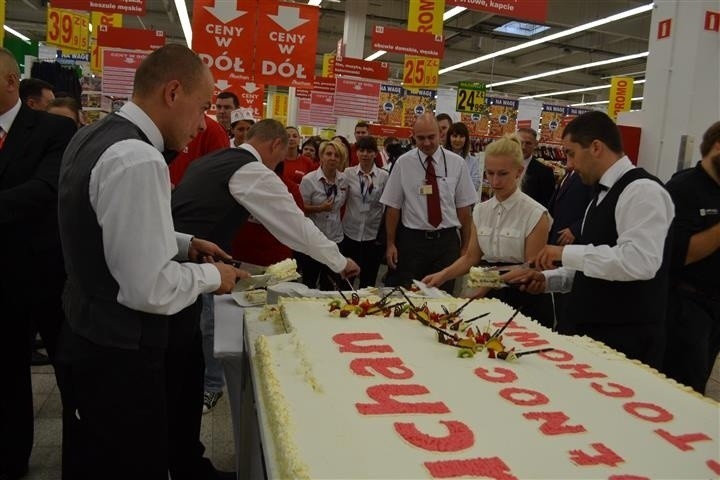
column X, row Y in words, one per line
column 617, row 170
column 7, row 118
column 509, row 202
column 251, row 149
column 138, row 116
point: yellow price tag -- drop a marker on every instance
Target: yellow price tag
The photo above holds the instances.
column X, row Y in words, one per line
column 68, row 29
column 470, row 98
column 420, row 72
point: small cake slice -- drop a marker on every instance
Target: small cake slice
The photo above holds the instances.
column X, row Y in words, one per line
column 282, row 271
column 256, row 296
column 484, row 277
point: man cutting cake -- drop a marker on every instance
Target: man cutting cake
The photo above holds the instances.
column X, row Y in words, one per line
column 617, row 274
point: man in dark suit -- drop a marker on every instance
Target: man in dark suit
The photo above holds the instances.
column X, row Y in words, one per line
column 538, row 181
column 32, row 146
column 567, row 208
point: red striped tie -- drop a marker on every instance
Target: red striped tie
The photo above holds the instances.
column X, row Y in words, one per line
column 3, row 134
column 433, row 200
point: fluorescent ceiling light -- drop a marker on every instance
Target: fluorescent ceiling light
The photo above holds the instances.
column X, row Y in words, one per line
column 523, row 29
column 554, row 36
column 314, row 3
column 576, row 90
column 602, row 102
column 184, row 21
column 570, row 69
column 452, row 12
column 375, row 55
column 16, row 33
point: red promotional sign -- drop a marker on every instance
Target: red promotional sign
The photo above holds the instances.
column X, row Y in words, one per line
column 129, row 7
column 323, row 84
column 712, row 21
column 286, row 44
column 322, row 99
column 223, row 34
column 535, row 10
column 119, row 72
column 389, row 131
column 664, row 28
column 354, row 67
column 130, row 38
column 356, row 98
column 251, row 96
column 397, row 40
column 303, row 93
column 523, row 124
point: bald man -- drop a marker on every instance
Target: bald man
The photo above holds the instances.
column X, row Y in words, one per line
column 432, row 188
column 124, row 275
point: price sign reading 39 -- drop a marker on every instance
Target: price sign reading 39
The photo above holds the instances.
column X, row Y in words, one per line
column 67, row 29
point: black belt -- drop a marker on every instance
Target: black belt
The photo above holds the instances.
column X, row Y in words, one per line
column 431, row 234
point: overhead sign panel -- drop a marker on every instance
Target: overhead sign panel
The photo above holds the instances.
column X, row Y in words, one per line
column 397, row 40
column 535, row 10
column 130, row 38
column 129, row 7
column 355, row 67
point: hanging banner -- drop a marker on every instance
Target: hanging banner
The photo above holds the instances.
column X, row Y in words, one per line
column 620, row 99
column 130, row 38
column 470, row 97
column 390, row 109
column 322, row 99
column 397, row 40
column 355, row 67
column 119, row 73
column 423, row 16
column 382, row 131
column 279, row 107
column 535, row 10
column 503, row 115
column 356, row 98
column 551, row 123
column 223, row 34
column 128, row 7
column 97, row 19
column 2, row 22
column 328, row 68
column 303, row 111
column 416, row 103
column 251, row 96
column 286, row 44
column 478, row 124
column 68, row 29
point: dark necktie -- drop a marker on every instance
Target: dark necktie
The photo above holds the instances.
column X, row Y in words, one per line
column 433, row 200
column 3, row 134
column 598, row 187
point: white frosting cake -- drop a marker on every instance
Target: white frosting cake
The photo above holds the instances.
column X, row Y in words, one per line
column 379, row 397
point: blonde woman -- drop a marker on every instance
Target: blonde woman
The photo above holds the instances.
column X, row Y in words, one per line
column 509, row 228
column 323, row 192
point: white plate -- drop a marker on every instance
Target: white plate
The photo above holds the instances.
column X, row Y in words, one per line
column 251, row 283
column 242, row 300
column 429, row 292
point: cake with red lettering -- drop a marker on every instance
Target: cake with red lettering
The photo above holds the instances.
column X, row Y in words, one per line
column 381, row 397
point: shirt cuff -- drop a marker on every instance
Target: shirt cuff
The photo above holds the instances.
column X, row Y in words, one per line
column 338, row 263
column 183, row 243
column 212, row 277
column 573, row 256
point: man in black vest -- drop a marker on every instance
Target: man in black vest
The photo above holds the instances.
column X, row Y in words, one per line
column 124, row 281
column 618, row 272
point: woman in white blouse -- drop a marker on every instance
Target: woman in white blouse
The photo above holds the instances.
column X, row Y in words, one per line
column 363, row 211
column 323, row 192
column 510, row 228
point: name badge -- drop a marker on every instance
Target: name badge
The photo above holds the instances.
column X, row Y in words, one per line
column 426, row 189
column 365, row 207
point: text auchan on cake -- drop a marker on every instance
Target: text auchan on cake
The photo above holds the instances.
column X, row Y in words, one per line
column 460, row 436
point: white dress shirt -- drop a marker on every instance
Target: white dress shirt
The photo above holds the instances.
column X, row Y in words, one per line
column 315, row 190
column 474, row 169
column 403, row 189
column 266, row 197
column 7, row 118
column 130, row 193
column 363, row 210
column 503, row 227
column 643, row 215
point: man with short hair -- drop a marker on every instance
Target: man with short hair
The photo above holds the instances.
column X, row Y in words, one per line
column 225, row 103
column 362, row 129
column 617, row 274
column 694, row 303
column 31, row 145
column 36, row 93
column 537, row 180
column 432, row 188
column 444, row 122
column 124, row 279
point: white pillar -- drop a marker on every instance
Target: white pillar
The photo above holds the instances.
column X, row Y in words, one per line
column 354, row 41
column 682, row 91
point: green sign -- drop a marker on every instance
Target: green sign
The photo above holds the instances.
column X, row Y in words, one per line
column 470, row 97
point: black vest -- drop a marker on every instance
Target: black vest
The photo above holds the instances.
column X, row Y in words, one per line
column 202, row 205
column 90, row 297
column 595, row 301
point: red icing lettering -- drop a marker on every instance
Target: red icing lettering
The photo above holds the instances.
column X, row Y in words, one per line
column 682, row 442
column 581, row 370
column 382, row 394
column 459, row 437
column 527, row 339
column 556, row 355
column 512, row 325
column 388, row 367
column 502, row 375
column 554, row 423
column 714, row 465
column 606, row 457
column 515, row 395
column 347, row 342
column 627, row 477
column 657, row 414
column 616, row 390
column 492, row 467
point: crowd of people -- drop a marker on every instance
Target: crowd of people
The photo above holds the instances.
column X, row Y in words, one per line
column 137, row 220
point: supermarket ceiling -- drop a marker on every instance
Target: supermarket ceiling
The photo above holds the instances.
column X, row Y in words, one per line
column 468, row 35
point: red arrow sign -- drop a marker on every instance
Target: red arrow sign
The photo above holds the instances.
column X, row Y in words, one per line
column 411, row 43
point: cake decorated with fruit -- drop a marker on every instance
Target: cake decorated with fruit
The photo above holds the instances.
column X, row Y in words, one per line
column 394, row 388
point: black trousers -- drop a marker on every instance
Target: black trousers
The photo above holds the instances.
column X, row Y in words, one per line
column 367, row 254
column 314, row 273
column 115, row 423
column 537, row 307
column 694, row 338
column 421, row 253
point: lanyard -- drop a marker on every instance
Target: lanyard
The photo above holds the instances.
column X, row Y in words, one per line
column 330, row 188
column 422, row 164
column 365, row 192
